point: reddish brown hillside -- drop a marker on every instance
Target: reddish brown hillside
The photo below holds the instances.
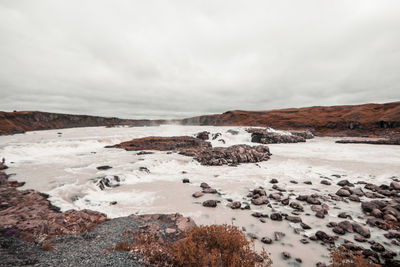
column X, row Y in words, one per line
column 368, row 119
column 22, row 121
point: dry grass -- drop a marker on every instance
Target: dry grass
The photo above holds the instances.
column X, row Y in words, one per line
column 214, row 246
column 341, row 257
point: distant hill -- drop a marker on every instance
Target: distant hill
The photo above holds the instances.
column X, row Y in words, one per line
column 351, row 120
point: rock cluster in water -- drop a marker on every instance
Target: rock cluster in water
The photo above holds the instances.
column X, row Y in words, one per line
column 263, row 136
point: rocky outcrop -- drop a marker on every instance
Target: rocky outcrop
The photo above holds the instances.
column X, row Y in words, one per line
column 30, row 213
column 263, row 136
column 23, row 121
column 200, row 150
column 351, row 120
column 174, row 143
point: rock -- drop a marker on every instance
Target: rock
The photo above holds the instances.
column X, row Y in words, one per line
column 278, row 188
column 293, row 182
column 113, row 203
column 266, row 240
column 144, row 169
column 209, row 191
column 377, row 247
column 298, row 260
column 347, row 226
column 354, row 198
column 278, row 235
column 260, row 201
column 235, row 205
column 197, row 194
column 343, row 215
column 204, row 185
column 395, row 185
column 304, row 241
column 293, row 219
column 307, row 182
column 361, row 230
column 203, row 135
column 216, row 135
column 296, row 206
column 259, row 191
column 325, row 182
column 344, row 183
column 359, row 238
column 320, row 214
column 285, row 201
column 264, row 137
column 275, row 196
column 313, row 200
column 324, row 237
column 338, row 230
column 273, row 181
column 343, row 192
column 276, row 217
column 185, row 180
column 104, row 167
column 305, row 226
column 257, row 214
column 210, row 203
column 286, row 255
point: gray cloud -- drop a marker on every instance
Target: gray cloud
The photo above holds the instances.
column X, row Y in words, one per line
column 157, row 59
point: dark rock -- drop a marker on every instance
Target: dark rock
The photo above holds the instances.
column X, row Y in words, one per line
column 286, row 255
column 361, row 230
column 185, row 180
column 266, row 240
column 276, row 217
column 325, row 182
column 293, row 219
column 343, row 192
column 104, row 167
column 210, row 203
column 273, row 181
column 203, row 135
column 197, row 194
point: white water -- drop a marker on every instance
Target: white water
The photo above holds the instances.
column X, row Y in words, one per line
column 64, row 166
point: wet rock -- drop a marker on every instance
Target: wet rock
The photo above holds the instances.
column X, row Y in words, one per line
column 278, row 235
column 209, row 191
column 360, row 239
column 210, row 203
column 354, row 198
column 343, row 192
column 286, row 255
column 234, row 205
column 259, row 191
column 338, row 230
column 113, row 203
column 313, row 200
column 285, row 201
column 293, row 182
column 347, row 226
column 304, row 241
column 273, row 181
column 361, row 230
column 296, row 206
column 293, row 219
column 203, row 135
column 185, row 180
column 276, row 187
column 325, row 182
column 216, row 135
column 395, row 185
column 266, row 240
column 305, row 226
column 298, row 260
column 324, row 237
column 197, row 194
column 331, row 224
column 204, row 185
column 144, row 169
column 276, row 217
column 260, row 201
column 377, row 247
column 320, row 214
column 264, row 137
column 344, row 183
column 104, row 167
column 275, row 196
column 343, row 215
column 307, row 182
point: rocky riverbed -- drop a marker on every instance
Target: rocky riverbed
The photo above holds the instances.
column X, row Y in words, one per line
column 306, row 197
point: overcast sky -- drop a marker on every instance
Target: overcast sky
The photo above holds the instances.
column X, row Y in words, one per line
column 165, row 59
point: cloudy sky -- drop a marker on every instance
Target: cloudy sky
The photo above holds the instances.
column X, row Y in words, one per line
column 163, row 59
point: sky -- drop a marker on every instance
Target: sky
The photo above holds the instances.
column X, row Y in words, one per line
column 180, row 58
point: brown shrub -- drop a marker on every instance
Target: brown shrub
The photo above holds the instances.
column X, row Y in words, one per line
column 47, row 245
column 342, row 257
column 214, row 246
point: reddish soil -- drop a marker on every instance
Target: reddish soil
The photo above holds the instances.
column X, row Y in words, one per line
column 356, row 120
